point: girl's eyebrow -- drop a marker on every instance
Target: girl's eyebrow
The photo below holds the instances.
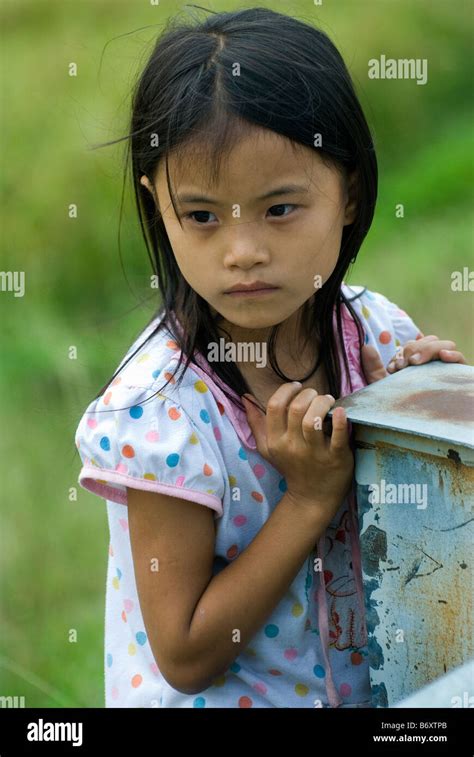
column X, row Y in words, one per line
column 284, row 190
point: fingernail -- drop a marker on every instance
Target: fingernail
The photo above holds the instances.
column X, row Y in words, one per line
column 416, row 357
column 330, row 397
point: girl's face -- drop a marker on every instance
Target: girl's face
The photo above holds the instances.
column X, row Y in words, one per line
column 275, row 215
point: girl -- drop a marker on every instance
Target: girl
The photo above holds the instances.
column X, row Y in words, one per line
column 234, row 572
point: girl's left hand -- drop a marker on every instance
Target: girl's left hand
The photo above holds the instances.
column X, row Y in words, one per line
column 414, row 352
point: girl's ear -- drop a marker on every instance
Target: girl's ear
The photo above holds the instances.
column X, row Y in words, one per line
column 145, row 181
column 350, row 211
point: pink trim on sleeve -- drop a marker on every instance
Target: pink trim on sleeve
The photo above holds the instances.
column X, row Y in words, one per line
column 89, row 480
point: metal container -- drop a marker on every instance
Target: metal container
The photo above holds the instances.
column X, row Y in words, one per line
column 414, row 469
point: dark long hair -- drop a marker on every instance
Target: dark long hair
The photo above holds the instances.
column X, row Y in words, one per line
column 293, row 82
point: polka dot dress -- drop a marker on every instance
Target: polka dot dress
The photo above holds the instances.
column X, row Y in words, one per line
column 191, row 442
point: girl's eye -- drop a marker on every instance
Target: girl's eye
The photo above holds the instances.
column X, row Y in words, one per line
column 280, row 207
column 200, row 213
column 202, row 217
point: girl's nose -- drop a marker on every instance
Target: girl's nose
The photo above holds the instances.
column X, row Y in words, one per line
column 244, row 246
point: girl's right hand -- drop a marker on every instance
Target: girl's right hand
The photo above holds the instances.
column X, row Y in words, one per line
column 318, row 469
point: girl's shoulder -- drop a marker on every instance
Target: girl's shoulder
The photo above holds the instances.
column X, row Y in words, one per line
column 138, row 434
column 385, row 324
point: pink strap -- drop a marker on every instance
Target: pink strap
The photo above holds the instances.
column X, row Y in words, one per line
column 351, row 344
column 333, row 696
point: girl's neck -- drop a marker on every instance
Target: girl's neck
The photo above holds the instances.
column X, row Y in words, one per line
column 294, row 355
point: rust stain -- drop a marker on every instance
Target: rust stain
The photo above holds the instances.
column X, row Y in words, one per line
column 440, row 404
column 444, row 607
column 458, row 476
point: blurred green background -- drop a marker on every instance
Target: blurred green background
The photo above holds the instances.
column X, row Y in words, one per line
column 53, row 552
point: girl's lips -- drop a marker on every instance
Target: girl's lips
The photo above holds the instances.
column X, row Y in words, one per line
column 252, row 292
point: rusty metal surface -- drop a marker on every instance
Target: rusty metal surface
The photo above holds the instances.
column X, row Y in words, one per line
column 434, row 400
column 414, row 471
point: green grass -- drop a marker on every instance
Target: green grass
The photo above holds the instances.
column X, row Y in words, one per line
column 53, row 553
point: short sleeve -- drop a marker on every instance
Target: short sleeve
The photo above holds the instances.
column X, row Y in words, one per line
column 133, row 437
column 386, row 326
column 403, row 326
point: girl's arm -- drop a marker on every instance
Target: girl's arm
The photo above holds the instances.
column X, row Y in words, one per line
column 198, row 624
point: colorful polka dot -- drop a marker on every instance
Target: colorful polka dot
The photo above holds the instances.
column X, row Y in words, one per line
column 297, row 609
column 245, row 702
column 204, row 416
column 132, row 650
column 109, row 660
column 219, row 681
column 207, row 470
column 345, row 690
column 282, row 485
column 319, row 671
column 199, row 702
column 301, row 689
column 385, row 337
column 105, row 443
column 137, row 681
column 172, row 460
column 128, row 451
column 271, row 631
column 141, row 638
column 259, row 470
column 174, row 413
column 136, row 411
column 200, row 387
column 239, row 520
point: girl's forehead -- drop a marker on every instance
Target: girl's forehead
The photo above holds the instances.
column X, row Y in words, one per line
column 253, row 159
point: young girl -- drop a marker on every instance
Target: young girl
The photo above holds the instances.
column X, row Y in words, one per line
column 234, row 571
